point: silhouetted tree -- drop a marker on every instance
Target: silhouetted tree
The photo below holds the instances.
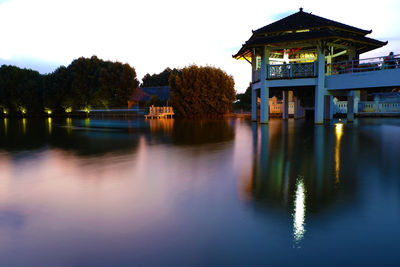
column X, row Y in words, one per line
column 155, row 101
column 201, row 91
column 160, row 79
column 86, row 82
column 20, row 89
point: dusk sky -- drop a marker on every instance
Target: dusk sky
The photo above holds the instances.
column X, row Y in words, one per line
column 154, row 34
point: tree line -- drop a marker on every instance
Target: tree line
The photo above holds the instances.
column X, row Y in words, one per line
column 85, row 83
column 94, row 83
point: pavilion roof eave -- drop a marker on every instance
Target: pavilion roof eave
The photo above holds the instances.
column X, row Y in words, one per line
column 304, row 40
column 303, row 20
column 365, row 32
column 245, row 52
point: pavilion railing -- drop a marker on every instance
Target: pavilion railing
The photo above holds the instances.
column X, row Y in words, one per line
column 362, row 65
column 292, row 70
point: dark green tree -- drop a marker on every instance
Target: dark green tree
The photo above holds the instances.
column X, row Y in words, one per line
column 86, row 82
column 20, row 89
column 155, row 101
column 160, row 79
column 201, row 91
column 57, row 93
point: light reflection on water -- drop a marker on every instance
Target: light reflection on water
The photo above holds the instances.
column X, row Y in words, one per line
column 338, row 134
column 166, row 192
column 299, row 213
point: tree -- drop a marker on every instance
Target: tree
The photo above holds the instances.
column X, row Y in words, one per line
column 20, row 90
column 57, row 92
column 86, row 82
column 90, row 82
column 155, row 101
column 160, row 79
column 201, row 91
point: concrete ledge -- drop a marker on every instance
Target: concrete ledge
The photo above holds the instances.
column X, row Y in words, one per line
column 292, row 82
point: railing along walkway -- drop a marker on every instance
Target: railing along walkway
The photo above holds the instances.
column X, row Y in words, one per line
column 363, row 65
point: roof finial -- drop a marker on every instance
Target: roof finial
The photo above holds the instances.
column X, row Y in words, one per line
column 301, row 9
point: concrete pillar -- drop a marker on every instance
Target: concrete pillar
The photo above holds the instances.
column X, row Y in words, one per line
column 320, row 88
column 296, row 114
column 285, row 105
column 357, row 96
column 352, row 53
column 264, row 95
column 350, row 108
column 253, row 64
column 253, row 104
column 328, row 107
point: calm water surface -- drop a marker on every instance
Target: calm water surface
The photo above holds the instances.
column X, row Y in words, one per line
column 183, row 193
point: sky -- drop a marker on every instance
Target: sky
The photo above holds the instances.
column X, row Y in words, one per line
column 151, row 35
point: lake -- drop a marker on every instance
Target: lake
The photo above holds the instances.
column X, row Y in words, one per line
column 198, row 193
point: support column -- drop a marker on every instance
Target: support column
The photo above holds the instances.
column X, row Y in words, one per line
column 264, row 95
column 285, row 105
column 296, row 113
column 357, row 95
column 350, row 108
column 320, row 88
column 253, row 65
column 328, row 107
column 253, row 104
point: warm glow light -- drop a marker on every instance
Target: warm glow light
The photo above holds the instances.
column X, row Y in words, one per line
column 87, row 122
column 299, row 214
column 69, row 125
column 5, row 112
column 87, row 110
column 24, row 125
column 48, row 111
column 23, row 110
column 338, row 133
column 5, row 126
column 49, row 124
column 68, row 110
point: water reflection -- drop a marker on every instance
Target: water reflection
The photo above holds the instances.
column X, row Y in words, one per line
column 209, row 193
column 68, row 125
column 338, row 134
column 297, row 165
column 5, row 121
column 299, row 214
column 89, row 136
column 24, row 125
column 49, row 126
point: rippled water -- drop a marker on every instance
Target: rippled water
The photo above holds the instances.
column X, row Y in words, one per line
column 183, row 193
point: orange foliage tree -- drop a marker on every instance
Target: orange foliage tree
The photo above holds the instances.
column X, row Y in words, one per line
column 201, row 91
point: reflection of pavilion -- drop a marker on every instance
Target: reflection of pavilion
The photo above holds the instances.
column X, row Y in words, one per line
column 301, row 176
column 316, row 58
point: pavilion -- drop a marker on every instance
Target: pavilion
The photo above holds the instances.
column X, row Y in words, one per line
column 317, row 59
